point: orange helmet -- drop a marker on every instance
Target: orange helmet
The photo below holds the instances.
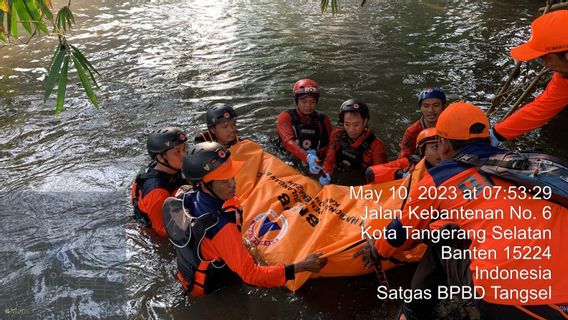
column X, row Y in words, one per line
column 546, row 37
column 425, row 136
column 462, row 121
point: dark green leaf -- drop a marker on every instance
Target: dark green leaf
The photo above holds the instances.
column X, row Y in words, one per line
column 57, row 48
column 53, row 72
column 82, row 57
column 2, row 37
column 70, row 17
column 60, row 20
column 85, row 67
column 85, row 82
column 23, row 14
column 324, row 4
column 62, row 86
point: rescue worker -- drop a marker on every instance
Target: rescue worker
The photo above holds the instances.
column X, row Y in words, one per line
column 353, row 146
column 221, row 121
column 426, row 148
column 303, row 131
column 463, row 129
column 215, row 251
column 431, row 102
column 550, row 44
column 160, row 179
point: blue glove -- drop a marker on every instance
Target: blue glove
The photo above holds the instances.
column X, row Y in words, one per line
column 315, row 168
column 493, row 137
column 325, row 179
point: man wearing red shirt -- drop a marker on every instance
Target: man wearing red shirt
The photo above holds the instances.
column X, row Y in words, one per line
column 431, row 102
column 353, row 146
column 303, row 131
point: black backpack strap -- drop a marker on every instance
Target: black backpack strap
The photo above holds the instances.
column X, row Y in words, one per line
column 143, row 174
column 320, row 117
column 296, row 122
column 520, row 162
column 366, row 143
column 294, row 116
column 343, row 141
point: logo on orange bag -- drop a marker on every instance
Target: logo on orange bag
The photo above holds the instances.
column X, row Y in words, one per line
column 267, row 228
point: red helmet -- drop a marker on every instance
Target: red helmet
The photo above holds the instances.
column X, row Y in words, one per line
column 305, row 86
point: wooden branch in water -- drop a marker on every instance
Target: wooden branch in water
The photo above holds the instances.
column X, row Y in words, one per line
column 526, row 93
column 558, row 6
column 512, row 75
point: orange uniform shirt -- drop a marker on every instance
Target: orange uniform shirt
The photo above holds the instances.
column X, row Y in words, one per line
column 408, row 143
column 387, row 171
column 538, row 112
column 153, row 193
column 227, row 245
column 151, row 204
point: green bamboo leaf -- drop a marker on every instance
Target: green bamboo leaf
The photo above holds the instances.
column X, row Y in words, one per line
column 60, row 22
column 9, row 21
column 323, row 5
column 2, row 31
column 70, row 17
column 85, row 82
column 85, row 67
column 42, row 27
column 57, row 48
column 53, row 72
column 2, row 37
column 62, row 86
column 82, row 57
column 12, row 22
column 32, row 10
column 45, row 10
column 35, row 14
column 23, row 14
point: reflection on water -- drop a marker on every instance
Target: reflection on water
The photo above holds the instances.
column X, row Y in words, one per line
column 71, row 251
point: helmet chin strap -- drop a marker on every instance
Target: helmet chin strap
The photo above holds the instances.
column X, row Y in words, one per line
column 210, row 191
column 165, row 163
